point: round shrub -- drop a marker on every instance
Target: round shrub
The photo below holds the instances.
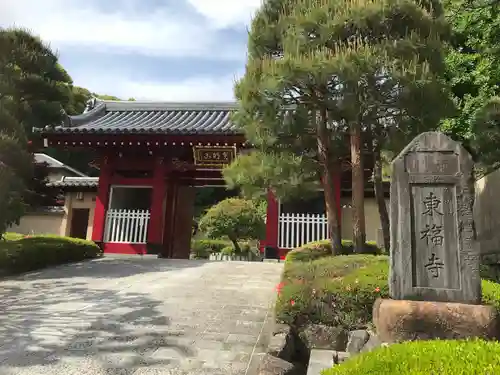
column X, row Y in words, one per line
column 341, row 290
column 236, row 219
column 444, row 357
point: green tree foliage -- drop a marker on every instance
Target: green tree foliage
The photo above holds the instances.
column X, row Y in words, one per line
column 289, row 176
column 485, row 135
column 319, row 69
column 15, row 169
column 35, row 88
column 236, row 219
column 473, row 69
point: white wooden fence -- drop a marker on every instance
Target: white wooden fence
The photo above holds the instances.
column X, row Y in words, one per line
column 298, row 229
column 128, row 226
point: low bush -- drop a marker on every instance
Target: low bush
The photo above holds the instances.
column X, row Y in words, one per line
column 201, row 249
column 341, row 290
column 444, row 357
column 228, row 250
column 21, row 254
column 336, row 291
column 319, row 249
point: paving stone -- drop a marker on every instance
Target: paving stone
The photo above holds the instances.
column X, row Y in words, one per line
column 127, row 315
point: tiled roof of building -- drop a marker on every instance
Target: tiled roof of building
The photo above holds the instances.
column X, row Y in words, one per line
column 54, row 163
column 129, row 117
column 76, row 182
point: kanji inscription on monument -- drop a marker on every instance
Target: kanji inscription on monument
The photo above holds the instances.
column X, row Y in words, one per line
column 433, row 254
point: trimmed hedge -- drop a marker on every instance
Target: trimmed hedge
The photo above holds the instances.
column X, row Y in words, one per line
column 28, row 253
column 341, row 290
column 444, row 357
column 201, row 249
column 323, row 248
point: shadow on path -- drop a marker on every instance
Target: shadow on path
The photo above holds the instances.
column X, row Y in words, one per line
column 44, row 320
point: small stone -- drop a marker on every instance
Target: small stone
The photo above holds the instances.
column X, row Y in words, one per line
column 372, row 343
column 317, row 336
column 281, row 345
column 282, row 328
column 320, row 360
column 339, row 357
column 275, row 366
column 357, row 339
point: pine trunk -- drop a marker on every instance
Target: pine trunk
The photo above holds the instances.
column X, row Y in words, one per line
column 328, row 173
column 358, row 190
column 379, row 196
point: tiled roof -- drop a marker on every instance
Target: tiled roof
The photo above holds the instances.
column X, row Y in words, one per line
column 148, row 117
column 54, row 163
column 76, row 182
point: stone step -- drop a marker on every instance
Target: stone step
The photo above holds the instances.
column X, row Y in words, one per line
column 320, row 360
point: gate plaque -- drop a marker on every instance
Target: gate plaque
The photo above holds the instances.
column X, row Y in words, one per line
column 215, row 156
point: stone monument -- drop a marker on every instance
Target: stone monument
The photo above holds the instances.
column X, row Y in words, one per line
column 434, row 279
column 433, row 252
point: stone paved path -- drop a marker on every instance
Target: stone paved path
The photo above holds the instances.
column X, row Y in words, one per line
column 125, row 315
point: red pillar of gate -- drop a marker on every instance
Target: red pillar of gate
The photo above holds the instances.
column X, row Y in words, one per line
column 272, row 221
column 102, row 199
column 155, row 229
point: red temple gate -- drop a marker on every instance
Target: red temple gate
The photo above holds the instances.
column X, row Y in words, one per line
column 152, row 156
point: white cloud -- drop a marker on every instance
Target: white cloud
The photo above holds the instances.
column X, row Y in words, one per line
column 161, row 32
column 164, row 31
column 226, row 13
column 192, row 89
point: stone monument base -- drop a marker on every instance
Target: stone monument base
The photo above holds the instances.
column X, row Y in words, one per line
column 402, row 320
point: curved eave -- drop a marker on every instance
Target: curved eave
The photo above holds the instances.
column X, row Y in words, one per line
column 138, row 131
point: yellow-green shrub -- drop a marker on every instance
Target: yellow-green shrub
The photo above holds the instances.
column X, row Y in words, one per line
column 319, row 249
column 443, row 357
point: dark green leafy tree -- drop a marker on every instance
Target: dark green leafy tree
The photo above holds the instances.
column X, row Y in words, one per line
column 473, row 71
column 321, row 70
column 15, row 169
column 485, row 135
column 234, row 218
column 35, row 86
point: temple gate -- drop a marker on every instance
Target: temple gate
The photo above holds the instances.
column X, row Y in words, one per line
column 152, row 156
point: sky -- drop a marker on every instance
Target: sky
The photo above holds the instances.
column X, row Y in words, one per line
column 168, row 50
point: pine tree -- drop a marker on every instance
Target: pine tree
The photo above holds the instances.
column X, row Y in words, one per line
column 320, row 69
column 15, row 169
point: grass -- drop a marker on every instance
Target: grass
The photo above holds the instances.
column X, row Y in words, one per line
column 341, row 290
column 438, row 357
